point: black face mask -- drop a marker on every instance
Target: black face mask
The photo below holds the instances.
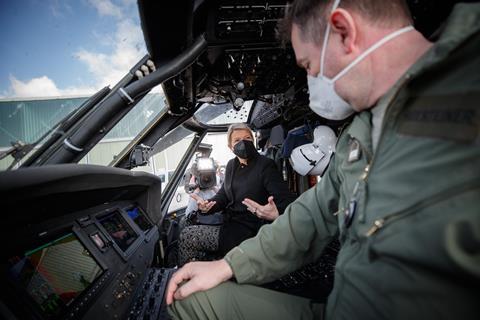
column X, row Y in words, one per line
column 245, row 149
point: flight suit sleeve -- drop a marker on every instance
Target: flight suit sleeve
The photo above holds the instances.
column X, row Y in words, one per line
column 294, row 239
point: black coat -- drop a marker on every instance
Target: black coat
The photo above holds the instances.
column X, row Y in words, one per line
column 256, row 181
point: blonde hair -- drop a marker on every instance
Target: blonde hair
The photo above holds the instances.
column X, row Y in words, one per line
column 237, row 127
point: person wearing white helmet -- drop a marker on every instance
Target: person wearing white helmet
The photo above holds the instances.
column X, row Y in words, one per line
column 313, row 158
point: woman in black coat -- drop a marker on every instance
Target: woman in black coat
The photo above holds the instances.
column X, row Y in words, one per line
column 252, row 194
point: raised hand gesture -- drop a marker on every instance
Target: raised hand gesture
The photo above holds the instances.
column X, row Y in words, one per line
column 267, row 212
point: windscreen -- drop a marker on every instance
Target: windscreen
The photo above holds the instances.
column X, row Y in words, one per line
column 120, row 231
column 54, row 274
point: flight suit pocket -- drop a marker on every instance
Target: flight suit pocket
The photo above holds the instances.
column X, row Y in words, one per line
column 422, row 234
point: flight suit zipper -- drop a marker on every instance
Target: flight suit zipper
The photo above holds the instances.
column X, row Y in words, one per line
column 439, row 197
column 371, row 157
column 352, row 203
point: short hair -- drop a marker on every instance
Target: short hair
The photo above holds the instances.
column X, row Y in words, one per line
column 237, row 127
column 309, row 15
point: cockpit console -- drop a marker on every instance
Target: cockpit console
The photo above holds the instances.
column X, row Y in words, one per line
column 93, row 258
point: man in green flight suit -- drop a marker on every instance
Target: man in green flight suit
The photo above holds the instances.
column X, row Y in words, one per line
column 402, row 192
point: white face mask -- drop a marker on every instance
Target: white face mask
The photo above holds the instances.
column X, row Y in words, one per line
column 324, row 100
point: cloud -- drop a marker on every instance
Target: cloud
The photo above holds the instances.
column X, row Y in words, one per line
column 43, row 87
column 126, row 49
column 35, row 87
column 60, row 8
column 107, row 8
column 129, row 2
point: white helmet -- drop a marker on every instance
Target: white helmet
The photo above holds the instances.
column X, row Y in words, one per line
column 313, row 158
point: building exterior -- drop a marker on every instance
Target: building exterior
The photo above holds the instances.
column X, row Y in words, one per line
column 27, row 120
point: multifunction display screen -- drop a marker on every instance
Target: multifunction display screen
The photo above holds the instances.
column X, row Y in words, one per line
column 140, row 219
column 120, row 231
column 54, row 274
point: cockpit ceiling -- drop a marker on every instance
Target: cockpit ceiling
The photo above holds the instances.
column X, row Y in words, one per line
column 244, row 59
column 169, row 29
column 250, row 73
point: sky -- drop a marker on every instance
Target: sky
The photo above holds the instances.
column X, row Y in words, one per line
column 66, row 47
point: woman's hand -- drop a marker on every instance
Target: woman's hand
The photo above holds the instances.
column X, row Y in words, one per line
column 267, row 212
column 203, row 205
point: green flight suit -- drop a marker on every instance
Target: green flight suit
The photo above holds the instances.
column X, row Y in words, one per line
column 413, row 248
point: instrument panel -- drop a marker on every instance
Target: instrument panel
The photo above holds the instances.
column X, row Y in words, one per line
column 99, row 262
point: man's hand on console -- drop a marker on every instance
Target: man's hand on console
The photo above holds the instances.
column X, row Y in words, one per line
column 197, row 276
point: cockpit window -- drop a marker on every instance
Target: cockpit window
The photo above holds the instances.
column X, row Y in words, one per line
column 167, row 154
column 30, row 121
column 222, row 114
column 149, row 108
column 165, row 157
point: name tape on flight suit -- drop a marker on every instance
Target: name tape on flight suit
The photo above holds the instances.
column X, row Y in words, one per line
column 450, row 117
